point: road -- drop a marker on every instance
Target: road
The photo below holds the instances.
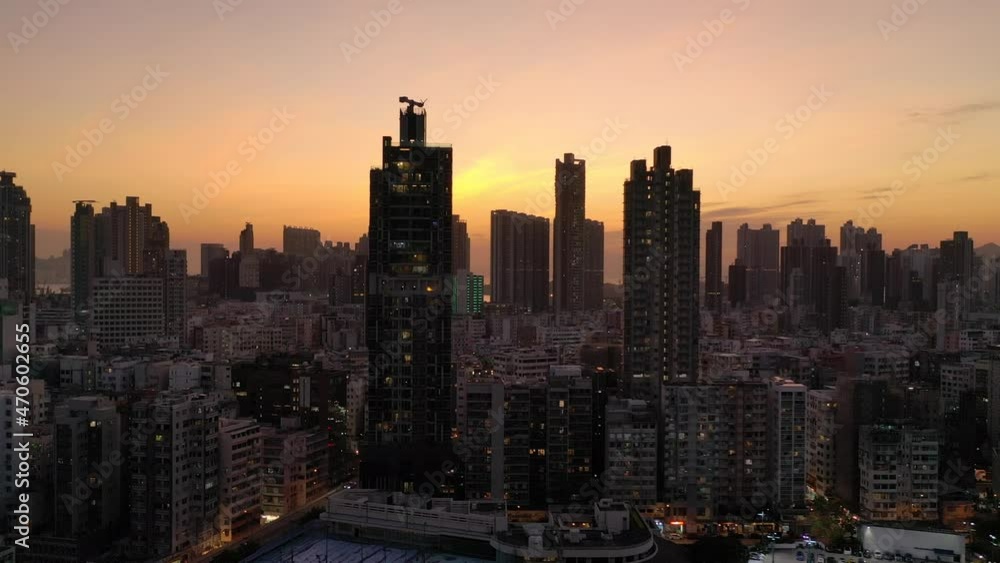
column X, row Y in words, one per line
column 788, row 556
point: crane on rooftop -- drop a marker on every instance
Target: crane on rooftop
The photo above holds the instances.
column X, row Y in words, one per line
column 413, row 103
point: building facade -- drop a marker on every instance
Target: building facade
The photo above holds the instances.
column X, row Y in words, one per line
column 411, row 409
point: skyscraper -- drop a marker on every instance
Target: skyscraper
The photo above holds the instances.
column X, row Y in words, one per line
column 17, row 239
column 593, row 286
column 298, row 241
column 461, row 252
column 957, row 259
column 806, row 234
column 519, row 260
column 130, row 240
column 813, row 285
column 411, row 410
column 570, row 234
column 173, row 504
column 787, row 463
column 661, row 262
column 246, row 240
column 88, row 441
column 863, row 260
column 175, row 298
column 713, row 267
column 211, row 251
column 83, row 255
column 759, row 251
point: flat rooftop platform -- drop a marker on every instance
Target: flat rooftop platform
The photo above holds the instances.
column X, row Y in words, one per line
column 313, row 546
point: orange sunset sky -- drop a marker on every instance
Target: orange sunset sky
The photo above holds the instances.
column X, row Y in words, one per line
column 717, row 79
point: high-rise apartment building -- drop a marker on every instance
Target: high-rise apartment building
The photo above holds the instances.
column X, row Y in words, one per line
column 461, row 245
column 787, row 452
column 174, row 474
column 127, row 310
column 83, row 255
column 295, row 470
column 899, row 473
column 570, row 235
column 246, row 240
column 130, row 239
column 714, row 449
column 481, row 436
column 813, row 286
column 467, row 294
column 17, row 239
column 299, row 241
column 957, row 258
column 411, row 410
column 88, row 451
column 210, row 252
column 864, row 262
column 661, row 264
column 569, row 451
column 713, row 267
column 630, row 443
column 759, row 251
column 593, row 270
column 519, row 260
column 174, row 294
column 806, row 234
column 821, row 427
column 240, row 478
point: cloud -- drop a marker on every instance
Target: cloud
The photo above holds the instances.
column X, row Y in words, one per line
column 956, row 113
column 744, row 211
column 977, row 177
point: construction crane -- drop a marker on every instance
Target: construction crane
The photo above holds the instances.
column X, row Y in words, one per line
column 413, row 103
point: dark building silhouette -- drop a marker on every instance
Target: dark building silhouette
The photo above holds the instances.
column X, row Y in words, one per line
column 298, row 241
column 957, row 258
column 814, row 287
column 130, row 239
column 17, row 239
column 359, row 273
column 83, row 255
column 737, row 283
column 860, row 401
column 873, row 277
column 713, row 267
column 224, row 275
column 661, row 262
column 569, row 231
column 519, row 260
column 863, row 259
column 211, row 251
column 411, row 411
column 593, row 286
column 461, row 246
column 174, row 293
column 759, row 251
column 246, row 240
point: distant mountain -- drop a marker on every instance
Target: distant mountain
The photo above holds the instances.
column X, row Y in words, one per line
column 991, row 250
column 53, row 270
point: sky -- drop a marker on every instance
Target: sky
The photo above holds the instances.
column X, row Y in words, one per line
column 220, row 112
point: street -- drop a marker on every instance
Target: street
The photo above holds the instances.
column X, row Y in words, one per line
column 820, row 556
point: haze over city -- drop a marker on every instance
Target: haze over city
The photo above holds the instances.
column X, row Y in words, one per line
column 536, row 79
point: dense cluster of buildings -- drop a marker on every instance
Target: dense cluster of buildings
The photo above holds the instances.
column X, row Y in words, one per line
column 176, row 414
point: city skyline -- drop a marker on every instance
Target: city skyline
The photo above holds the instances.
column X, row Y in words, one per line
column 337, row 282
column 827, row 168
